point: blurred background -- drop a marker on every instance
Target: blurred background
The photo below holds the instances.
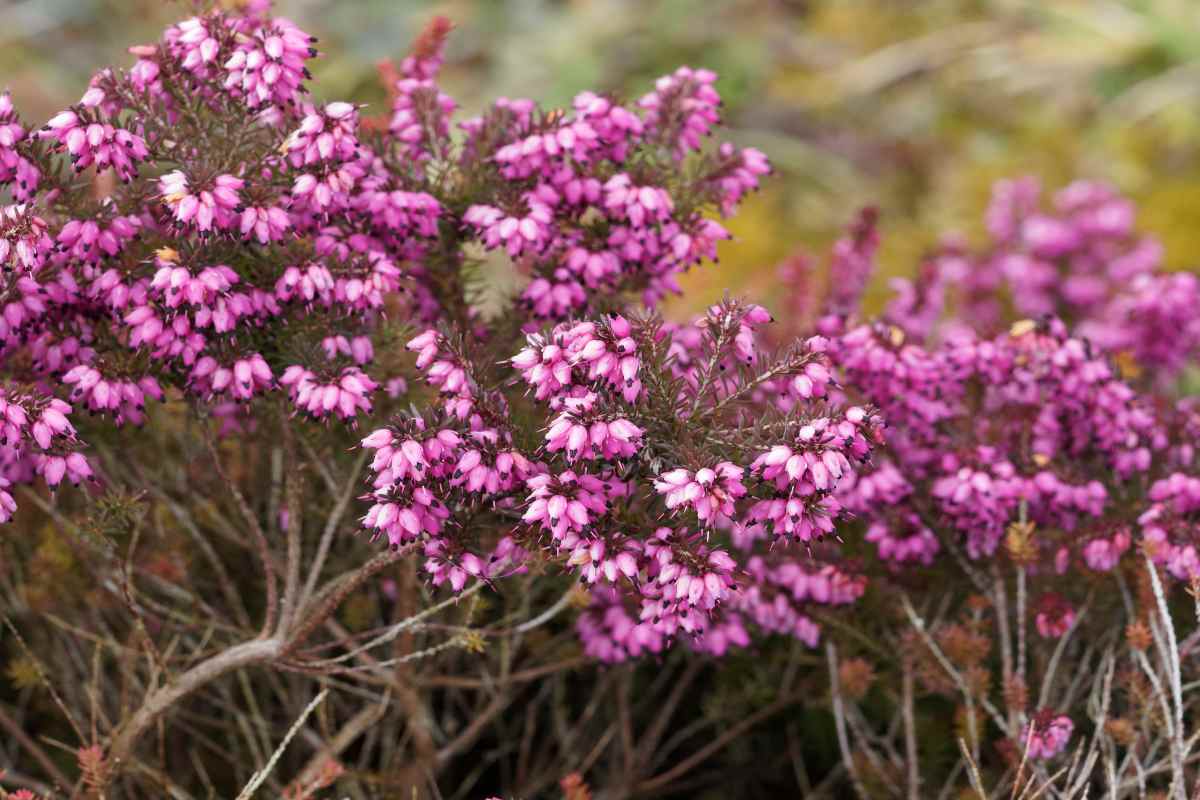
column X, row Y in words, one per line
column 914, row 106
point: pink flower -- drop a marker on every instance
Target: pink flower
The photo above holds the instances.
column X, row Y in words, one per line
column 580, row 432
column 89, row 140
column 8, row 506
column 637, row 204
column 241, row 380
column 325, row 134
column 264, row 224
column 683, row 107
column 581, row 352
column 204, row 208
column 1047, row 734
column 565, row 504
column 609, row 560
column 915, row 543
column 418, row 110
column 1102, row 554
column 24, row 243
column 1054, row 616
column 268, row 67
column 709, row 491
column 517, row 233
column 346, row 395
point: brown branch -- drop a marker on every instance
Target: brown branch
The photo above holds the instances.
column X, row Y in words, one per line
column 722, row 741
column 472, row 731
column 628, row 757
column 256, row 651
column 260, row 538
column 331, row 526
column 839, row 717
column 39, row 755
column 338, row 590
column 648, row 744
column 910, row 732
column 295, row 527
column 355, row 727
column 523, row 676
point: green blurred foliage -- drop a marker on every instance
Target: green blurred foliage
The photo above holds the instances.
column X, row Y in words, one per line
column 915, row 106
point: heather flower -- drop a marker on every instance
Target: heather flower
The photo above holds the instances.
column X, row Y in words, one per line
column 1047, row 734
column 611, row 633
column 8, row 506
column 710, row 492
column 518, row 232
column 326, row 134
column 1054, row 616
column 204, row 208
column 17, row 171
column 89, row 140
column 268, row 67
column 264, row 224
column 700, row 479
column 194, row 43
column 240, row 380
column 123, row 399
column 609, row 558
column 72, row 466
column 684, row 105
column 442, row 369
column 579, row 353
column 568, row 502
column 346, row 395
column 738, row 175
column 89, row 240
column 581, row 433
column 418, row 109
column 851, row 266
column 405, row 515
column 24, row 243
column 910, row 541
column 1103, row 553
column 637, row 204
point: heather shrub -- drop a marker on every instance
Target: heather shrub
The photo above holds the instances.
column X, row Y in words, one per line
column 394, row 482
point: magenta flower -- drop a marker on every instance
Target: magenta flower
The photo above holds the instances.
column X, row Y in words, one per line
column 205, row 208
column 268, row 67
column 1047, row 734
column 527, row 230
column 581, row 432
column 1055, row 616
column 90, row 140
column 709, row 491
column 24, row 243
column 346, row 395
column 566, row 503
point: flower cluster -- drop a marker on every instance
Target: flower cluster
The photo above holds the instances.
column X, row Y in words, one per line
column 1083, row 262
column 38, row 438
column 211, row 273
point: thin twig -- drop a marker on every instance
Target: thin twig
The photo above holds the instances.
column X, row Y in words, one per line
column 294, row 529
column 1171, row 658
column 261, row 775
column 919, row 625
column 839, row 717
column 260, row 537
column 910, row 731
column 716, row 745
column 256, row 651
column 39, row 755
column 331, row 526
